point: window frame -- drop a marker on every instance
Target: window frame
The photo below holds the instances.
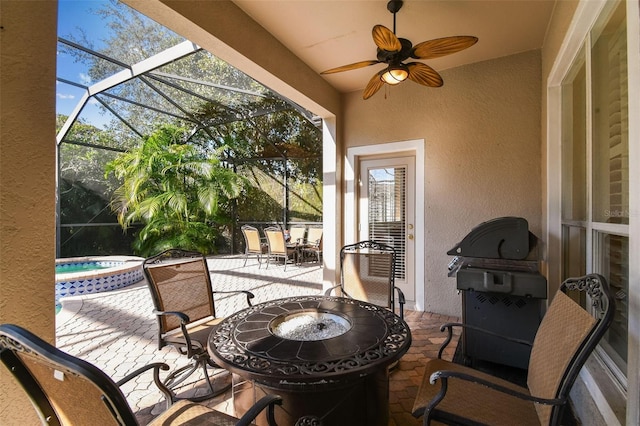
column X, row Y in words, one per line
column 577, row 37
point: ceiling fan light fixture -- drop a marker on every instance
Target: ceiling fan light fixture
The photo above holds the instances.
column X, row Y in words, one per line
column 395, row 74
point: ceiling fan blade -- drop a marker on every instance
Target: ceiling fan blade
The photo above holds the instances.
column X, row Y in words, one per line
column 385, row 39
column 373, row 86
column 424, row 74
column 442, row 46
column 350, row 67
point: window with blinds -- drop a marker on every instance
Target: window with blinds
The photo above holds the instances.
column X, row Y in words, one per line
column 610, row 171
column 595, row 174
column 387, row 211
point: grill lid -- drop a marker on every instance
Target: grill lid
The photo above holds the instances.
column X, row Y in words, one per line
column 500, row 238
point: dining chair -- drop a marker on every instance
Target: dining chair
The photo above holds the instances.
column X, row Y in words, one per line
column 253, row 244
column 183, row 297
column 278, row 247
column 451, row 393
column 66, row 390
column 313, row 245
column 367, row 272
column 296, row 234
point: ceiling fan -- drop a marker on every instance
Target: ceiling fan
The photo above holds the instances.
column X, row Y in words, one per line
column 393, row 51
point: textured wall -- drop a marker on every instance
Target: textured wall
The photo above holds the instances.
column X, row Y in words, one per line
column 482, row 136
column 27, row 178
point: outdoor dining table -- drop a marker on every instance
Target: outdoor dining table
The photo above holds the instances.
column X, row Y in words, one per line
column 328, row 357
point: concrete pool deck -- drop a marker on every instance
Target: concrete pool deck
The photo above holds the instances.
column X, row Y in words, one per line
column 116, row 331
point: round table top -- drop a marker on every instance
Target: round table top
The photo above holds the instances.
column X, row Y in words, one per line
column 245, row 344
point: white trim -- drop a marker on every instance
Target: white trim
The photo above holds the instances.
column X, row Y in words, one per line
column 330, row 209
column 633, row 71
column 416, row 146
column 583, row 19
column 599, row 399
column 554, row 188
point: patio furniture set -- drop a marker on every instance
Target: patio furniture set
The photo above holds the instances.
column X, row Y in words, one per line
column 297, row 243
column 311, row 360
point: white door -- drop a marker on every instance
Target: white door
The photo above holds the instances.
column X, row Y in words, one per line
column 387, row 212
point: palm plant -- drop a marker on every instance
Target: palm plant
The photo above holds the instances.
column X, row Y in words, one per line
column 179, row 192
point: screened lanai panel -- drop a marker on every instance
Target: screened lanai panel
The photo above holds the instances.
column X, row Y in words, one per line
column 140, row 78
column 69, row 51
column 268, row 195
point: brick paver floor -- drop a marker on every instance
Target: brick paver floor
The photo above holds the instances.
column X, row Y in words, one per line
column 116, row 331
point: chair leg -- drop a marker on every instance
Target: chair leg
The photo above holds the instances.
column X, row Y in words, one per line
column 178, row 376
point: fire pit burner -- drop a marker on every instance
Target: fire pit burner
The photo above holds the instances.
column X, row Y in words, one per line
column 309, row 326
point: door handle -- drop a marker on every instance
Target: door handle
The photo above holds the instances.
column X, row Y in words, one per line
column 410, row 236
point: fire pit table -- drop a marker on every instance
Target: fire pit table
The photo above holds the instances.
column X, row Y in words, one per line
column 328, row 357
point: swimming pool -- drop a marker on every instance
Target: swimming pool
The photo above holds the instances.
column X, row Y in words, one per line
column 85, row 275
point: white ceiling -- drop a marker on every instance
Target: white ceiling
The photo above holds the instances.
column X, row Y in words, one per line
column 329, row 33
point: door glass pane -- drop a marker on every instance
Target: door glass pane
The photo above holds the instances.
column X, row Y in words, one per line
column 574, row 142
column 387, row 204
column 613, row 263
column 611, row 122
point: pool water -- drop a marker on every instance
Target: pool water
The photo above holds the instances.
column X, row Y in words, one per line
column 69, row 268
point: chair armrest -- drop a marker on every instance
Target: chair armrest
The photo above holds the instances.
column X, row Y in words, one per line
column 267, row 402
column 247, row 293
column 156, row 366
column 444, row 375
column 344, row 293
column 330, row 290
column 184, row 318
column 449, row 327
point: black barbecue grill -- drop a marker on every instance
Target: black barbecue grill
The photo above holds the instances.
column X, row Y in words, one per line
column 496, row 267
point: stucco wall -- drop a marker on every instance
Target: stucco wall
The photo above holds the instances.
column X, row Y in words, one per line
column 482, row 137
column 27, row 179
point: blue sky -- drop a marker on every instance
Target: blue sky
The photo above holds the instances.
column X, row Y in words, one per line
column 72, row 16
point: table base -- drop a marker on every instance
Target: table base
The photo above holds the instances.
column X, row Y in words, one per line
column 359, row 402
